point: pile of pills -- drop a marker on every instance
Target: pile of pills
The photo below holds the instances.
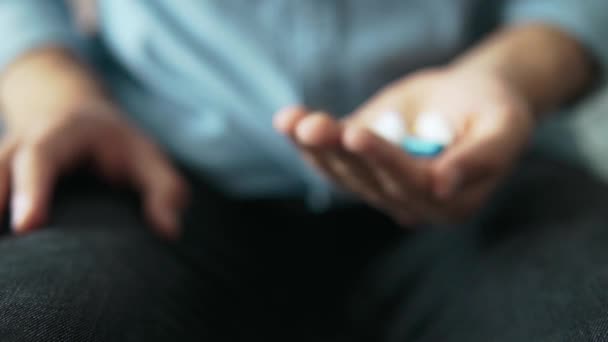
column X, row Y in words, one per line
column 431, row 133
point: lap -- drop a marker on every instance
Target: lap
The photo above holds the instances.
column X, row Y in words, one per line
column 96, row 273
column 533, row 268
column 241, row 271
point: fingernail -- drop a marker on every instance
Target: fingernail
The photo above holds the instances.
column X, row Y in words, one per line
column 452, row 183
column 281, row 117
column 19, row 208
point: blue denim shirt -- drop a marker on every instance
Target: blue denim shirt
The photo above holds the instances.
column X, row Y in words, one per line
column 204, row 77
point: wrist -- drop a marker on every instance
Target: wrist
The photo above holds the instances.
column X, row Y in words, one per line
column 46, row 81
column 541, row 63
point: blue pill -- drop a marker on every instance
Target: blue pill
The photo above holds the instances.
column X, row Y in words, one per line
column 422, row 148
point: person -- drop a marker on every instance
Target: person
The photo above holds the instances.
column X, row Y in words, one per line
column 239, row 133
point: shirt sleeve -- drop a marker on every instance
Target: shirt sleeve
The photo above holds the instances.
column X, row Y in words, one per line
column 30, row 24
column 585, row 20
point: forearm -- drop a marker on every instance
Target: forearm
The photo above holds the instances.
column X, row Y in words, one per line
column 545, row 65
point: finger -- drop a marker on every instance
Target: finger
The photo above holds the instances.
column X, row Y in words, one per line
column 334, row 167
column 165, row 193
column 290, row 120
column 319, row 135
column 320, row 161
column 286, row 120
column 318, row 130
column 404, row 180
column 109, row 162
column 33, row 176
column 380, row 153
column 487, row 148
column 7, row 149
column 471, row 161
column 357, row 177
column 461, row 161
column 352, row 175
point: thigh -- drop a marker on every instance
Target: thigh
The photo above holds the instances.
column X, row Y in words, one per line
column 96, row 273
column 532, row 268
column 242, row 271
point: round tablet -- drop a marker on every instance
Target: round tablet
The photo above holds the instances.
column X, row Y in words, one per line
column 390, row 126
column 433, row 126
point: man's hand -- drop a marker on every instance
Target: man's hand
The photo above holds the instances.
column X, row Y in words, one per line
column 490, row 98
column 491, row 123
column 56, row 118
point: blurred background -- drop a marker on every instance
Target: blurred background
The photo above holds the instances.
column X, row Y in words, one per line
column 578, row 135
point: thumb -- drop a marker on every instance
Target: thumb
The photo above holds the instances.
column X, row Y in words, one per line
column 33, row 177
column 164, row 191
column 474, row 158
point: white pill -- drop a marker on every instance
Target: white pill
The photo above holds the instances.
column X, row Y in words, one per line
column 390, row 126
column 434, row 127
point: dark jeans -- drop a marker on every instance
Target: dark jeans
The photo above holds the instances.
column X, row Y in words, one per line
column 533, row 268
